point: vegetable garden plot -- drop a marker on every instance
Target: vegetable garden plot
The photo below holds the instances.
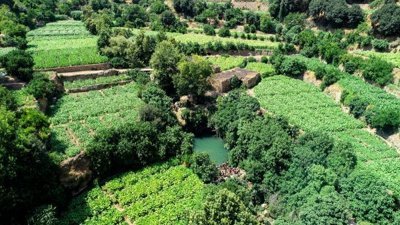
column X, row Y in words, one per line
column 262, row 68
column 81, row 115
column 204, row 39
column 226, row 62
column 310, row 109
column 373, row 95
column 387, row 56
column 96, row 81
column 63, row 44
column 159, row 194
column 303, row 105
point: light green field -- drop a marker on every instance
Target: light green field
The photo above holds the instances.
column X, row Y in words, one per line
column 394, row 58
column 96, row 81
column 157, row 195
column 226, row 62
column 263, row 68
column 75, row 118
column 307, row 107
column 64, row 43
column 204, row 39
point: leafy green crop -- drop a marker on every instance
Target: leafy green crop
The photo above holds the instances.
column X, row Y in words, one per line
column 64, row 43
column 226, row 62
column 96, row 81
column 75, row 118
column 313, row 111
column 159, row 194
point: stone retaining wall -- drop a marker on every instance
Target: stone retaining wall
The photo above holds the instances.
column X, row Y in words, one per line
column 100, row 66
column 97, row 87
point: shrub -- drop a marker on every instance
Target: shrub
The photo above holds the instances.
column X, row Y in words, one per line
column 264, row 59
column 139, row 76
column 18, row 63
column 208, row 30
column 336, row 13
column 384, row 117
column 267, row 25
column 332, row 75
column 380, row 45
column 136, row 145
column 378, row 71
column 7, row 99
column 291, row 67
column 224, row 32
column 357, row 106
column 41, row 87
column 386, row 20
column 369, row 197
column 202, row 165
column 76, row 14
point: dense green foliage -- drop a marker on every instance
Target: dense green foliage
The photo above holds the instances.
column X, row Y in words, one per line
column 386, row 20
column 223, row 207
column 23, row 147
column 192, row 76
column 202, row 165
column 18, row 63
column 164, row 61
column 368, row 149
column 41, row 87
column 289, row 66
column 336, row 13
column 135, row 145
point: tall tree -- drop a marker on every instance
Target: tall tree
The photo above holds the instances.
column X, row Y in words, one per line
column 192, row 76
column 164, row 62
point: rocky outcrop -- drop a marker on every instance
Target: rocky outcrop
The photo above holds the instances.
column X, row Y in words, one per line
column 75, row 173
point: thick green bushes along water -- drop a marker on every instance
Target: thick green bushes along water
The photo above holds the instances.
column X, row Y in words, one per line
column 212, row 145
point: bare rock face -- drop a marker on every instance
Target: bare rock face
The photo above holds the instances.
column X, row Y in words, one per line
column 76, row 173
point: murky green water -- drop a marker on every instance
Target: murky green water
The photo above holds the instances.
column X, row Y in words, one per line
column 214, row 146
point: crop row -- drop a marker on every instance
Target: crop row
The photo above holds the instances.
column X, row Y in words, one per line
column 298, row 102
column 76, row 117
column 204, row 39
column 226, row 62
column 387, row 56
column 63, row 44
column 310, row 109
column 60, row 28
column 96, row 81
column 175, row 191
column 379, row 103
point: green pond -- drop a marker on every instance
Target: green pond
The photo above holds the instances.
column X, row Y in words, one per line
column 214, row 146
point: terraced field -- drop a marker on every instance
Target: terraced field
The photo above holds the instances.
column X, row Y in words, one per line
column 75, row 118
column 226, row 62
column 307, row 107
column 204, row 39
column 388, row 56
column 63, row 43
column 263, row 68
column 96, row 81
column 156, row 195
